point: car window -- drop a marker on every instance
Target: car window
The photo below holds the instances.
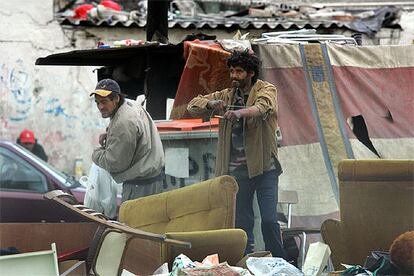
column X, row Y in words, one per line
column 17, row 174
column 67, row 180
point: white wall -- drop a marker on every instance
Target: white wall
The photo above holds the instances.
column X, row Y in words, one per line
column 407, row 23
column 53, row 101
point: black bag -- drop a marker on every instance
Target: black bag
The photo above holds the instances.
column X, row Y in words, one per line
column 379, row 263
column 289, row 243
column 291, row 250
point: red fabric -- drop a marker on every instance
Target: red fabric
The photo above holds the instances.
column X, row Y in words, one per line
column 27, row 136
column 189, row 44
column 374, row 93
column 205, row 71
column 295, row 116
column 81, row 11
column 111, row 5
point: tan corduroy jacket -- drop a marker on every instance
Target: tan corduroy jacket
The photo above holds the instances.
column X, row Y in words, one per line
column 259, row 133
column 133, row 146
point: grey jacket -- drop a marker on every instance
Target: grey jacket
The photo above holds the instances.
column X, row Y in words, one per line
column 133, row 148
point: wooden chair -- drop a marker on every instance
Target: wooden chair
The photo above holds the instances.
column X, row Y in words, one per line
column 109, row 249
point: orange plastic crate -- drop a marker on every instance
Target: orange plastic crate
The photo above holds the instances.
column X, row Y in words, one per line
column 188, row 125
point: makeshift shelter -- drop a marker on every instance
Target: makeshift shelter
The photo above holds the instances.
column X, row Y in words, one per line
column 335, row 102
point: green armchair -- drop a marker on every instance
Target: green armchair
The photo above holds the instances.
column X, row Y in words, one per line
column 202, row 213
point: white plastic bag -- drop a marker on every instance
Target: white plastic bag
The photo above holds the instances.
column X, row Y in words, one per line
column 101, row 191
column 270, row 266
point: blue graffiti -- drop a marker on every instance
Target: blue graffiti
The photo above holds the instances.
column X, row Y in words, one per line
column 19, row 87
column 54, row 107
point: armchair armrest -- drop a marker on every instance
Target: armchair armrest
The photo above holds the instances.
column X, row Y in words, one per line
column 332, row 235
column 229, row 244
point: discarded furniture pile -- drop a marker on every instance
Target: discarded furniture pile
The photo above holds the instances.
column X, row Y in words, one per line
column 191, row 230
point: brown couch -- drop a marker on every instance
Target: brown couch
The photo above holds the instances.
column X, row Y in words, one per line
column 376, row 205
column 202, row 213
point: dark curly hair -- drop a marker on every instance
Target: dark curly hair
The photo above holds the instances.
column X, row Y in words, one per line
column 246, row 60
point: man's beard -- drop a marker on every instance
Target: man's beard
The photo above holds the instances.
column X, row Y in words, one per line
column 238, row 83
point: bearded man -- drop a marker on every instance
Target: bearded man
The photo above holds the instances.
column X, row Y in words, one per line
column 247, row 145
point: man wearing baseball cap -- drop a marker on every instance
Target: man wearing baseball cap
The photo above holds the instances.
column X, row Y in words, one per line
column 27, row 140
column 131, row 149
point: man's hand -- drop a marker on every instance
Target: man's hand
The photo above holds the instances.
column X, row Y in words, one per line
column 102, row 140
column 232, row 115
column 216, row 105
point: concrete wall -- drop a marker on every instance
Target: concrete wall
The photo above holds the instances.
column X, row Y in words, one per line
column 407, row 23
column 54, row 101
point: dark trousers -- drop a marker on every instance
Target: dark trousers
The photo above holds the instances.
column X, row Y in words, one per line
column 265, row 186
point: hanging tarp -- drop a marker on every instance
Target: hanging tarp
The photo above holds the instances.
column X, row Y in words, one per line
column 324, row 91
column 305, row 111
column 378, row 83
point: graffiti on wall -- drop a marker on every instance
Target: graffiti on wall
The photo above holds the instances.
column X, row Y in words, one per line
column 15, row 88
column 20, row 98
column 54, row 106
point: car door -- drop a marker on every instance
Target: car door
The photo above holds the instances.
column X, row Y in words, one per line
column 21, row 191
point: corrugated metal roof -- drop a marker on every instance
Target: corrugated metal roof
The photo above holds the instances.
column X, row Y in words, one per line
column 214, row 23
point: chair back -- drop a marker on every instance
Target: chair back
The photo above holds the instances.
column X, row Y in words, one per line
column 110, row 251
column 376, row 206
column 287, row 197
column 208, row 205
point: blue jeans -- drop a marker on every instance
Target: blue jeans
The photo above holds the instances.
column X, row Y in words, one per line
column 265, row 186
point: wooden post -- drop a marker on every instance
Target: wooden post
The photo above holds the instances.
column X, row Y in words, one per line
column 157, row 21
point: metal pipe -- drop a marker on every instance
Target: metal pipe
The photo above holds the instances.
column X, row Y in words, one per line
column 303, row 249
column 289, row 215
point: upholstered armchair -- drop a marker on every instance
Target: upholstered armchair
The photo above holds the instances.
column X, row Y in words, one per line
column 202, row 213
column 376, row 206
